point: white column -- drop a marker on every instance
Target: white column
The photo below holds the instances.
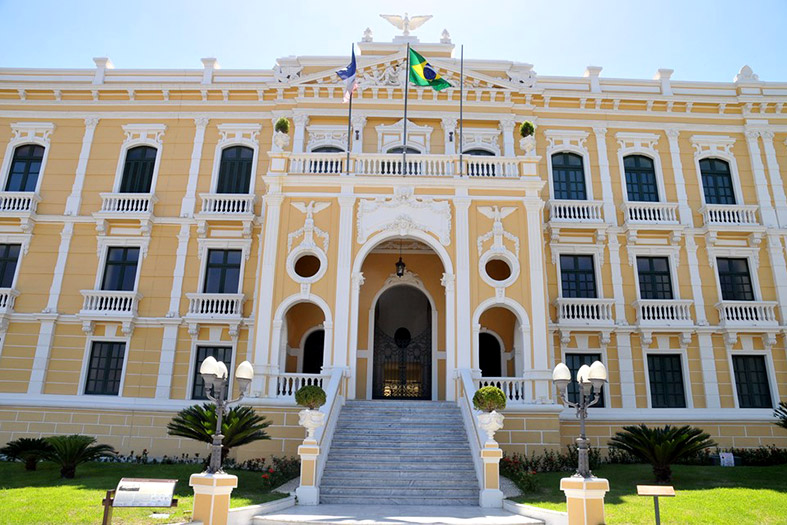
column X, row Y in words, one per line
column 708, row 363
column 341, row 309
column 448, row 282
column 696, row 281
column 622, row 339
column 680, row 183
column 357, row 282
column 463, row 315
column 507, row 127
column 49, row 315
column 450, row 136
column 760, row 182
column 301, row 121
column 75, row 199
column 190, row 200
column 358, row 125
column 169, row 339
column 266, row 358
column 610, row 215
column 617, row 279
column 534, row 206
column 779, row 268
column 775, row 175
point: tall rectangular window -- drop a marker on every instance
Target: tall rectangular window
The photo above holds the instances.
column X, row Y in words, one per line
column 120, row 269
column 138, row 170
column 220, row 353
column 717, row 181
column 640, row 179
column 665, row 374
column 751, row 381
column 573, row 362
column 655, row 281
column 9, row 256
column 735, row 279
column 577, row 276
column 222, row 272
column 105, row 368
column 568, row 176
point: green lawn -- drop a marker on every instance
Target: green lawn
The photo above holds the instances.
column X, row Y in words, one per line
column 703, row 495
column 42, row 497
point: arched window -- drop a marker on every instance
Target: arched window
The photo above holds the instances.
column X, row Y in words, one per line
column 400, row 149
column 138, row 170
column 235, row 170
column 327, row 149
column 480, row 152
column 326, row 165
column 717, row 181
column 312, row 352
column 568, row 176
column 489, row 355
column 25, row 168
column 479, row 169
column 640, row 179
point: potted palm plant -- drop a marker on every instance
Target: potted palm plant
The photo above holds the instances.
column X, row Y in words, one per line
column 311, row 397
column 528, row 141
column 281, row 130
column 489, row 400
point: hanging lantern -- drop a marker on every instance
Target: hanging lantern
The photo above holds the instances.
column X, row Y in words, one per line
column 400, row 268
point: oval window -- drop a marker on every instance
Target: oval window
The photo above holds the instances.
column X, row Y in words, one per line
column 307, row 266
column 498, row 270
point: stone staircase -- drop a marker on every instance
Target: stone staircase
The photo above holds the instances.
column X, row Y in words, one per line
column 400, row 453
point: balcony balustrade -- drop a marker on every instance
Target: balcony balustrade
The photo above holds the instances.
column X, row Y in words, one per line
column 576, row 211
column 109, row 303
column 7, row 298
column 18, row 203
column 663, row 312
column 747, row 314
column 576, row 311
column 127, row 203
column 227, row 205
column 637, row 213
column 285, row 385
column 726, row 215
column 206, row 306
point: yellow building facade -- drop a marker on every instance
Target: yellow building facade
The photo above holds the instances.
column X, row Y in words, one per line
column 151, row 218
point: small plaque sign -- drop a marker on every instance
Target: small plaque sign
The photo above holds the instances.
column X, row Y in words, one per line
column 726, row 459
column 137, row 492
column 655, row 490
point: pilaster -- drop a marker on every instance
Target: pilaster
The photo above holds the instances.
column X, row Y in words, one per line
column 507, row 126
column 779, row 198
column 779, row 268
column 767, row 212
column 75, row 199
column 358, row 125
column 696, row 281
column 343, row 277
column 534, row 207
column 299, row 134
column 680, row 182
column 710, row 380
column 463, row 316
column 610, row 215
column 450, row 135
column 190, row 199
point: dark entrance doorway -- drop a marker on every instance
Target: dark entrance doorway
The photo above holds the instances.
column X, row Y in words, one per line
column 402, row 367
column 489, row 355
column 313, row 352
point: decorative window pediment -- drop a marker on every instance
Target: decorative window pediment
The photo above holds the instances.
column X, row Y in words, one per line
column 152, row 134
column 637, row 141
column 239, row 134
column 479, row 138
column 206, row 244
column 566, row 140
column 391, row 136
column 36, row 132
column 326, row 136
column 712, row 146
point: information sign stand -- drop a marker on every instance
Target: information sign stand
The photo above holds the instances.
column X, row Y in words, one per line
column 139, row 492
column 656, row 491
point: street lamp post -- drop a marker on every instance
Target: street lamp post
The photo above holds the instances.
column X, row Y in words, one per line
column 216, row 375
column 590, row 380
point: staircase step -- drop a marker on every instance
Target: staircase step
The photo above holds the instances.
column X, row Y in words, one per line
column 423, row 492
column 394, row 500
column 441, row 465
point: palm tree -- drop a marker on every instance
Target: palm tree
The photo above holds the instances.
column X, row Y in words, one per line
column 781, row 414
column 661, row 446
column 240, row 426
column 28, row 450
column 70, row 451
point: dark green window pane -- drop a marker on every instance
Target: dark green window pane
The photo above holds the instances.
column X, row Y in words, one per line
column 568, row 176
column 574, row 362
column 717, row 181
column 105, row 368
column 235, row 170
column 751, row 381
column 735, row 279
column 640, row 179
column 222, row 272
column 138, row 170
column 120, row 269
column 577, row 275
column 9, row 255
column 666, row 381
column 219, row 353
column 655, row 281
column 25, row 168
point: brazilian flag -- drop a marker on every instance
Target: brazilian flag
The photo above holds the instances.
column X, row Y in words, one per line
column 423, row 74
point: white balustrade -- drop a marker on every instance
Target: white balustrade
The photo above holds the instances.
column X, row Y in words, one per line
column 747, row 313
column 110, row 302
column 127, row 202
column 7, row 298
column 287, row 384
column 576, row 310
column 575, row 211
column 215, row 305
column 663, row 312
column 730, row 215
column 328, row 163
column 483, row 166
column 517, row 390
column 227, row 204
column 18, row 201
column 650, row 212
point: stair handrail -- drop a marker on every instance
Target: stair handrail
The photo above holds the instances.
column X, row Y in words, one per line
column 475, row 436
column 334, row 400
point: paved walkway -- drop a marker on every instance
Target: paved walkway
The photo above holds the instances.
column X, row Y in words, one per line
column 391, row 515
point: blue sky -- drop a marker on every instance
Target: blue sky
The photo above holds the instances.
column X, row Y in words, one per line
column 700, row 40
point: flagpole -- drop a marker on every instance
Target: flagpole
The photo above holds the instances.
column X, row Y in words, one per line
column 404, row 131
column 350, row 117
column 461, row 103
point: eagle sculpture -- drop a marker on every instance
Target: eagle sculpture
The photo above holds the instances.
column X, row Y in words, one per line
column 406, row 23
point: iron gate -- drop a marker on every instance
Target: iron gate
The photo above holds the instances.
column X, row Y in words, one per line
column 402, row 365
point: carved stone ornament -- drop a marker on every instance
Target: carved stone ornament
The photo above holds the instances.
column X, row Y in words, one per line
column 408, row 278
column 404, row 212
column 309, row 230
column 528, row 145
column 281, row 140
column 490, row 422
column 311, row 420
column 383, row 75
column 497, row 233
column 287, row 72
column 522, row 74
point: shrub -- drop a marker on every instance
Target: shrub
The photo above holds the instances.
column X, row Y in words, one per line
column 310, row 396
column 241, row 425
column 69, row 451
column 761, row 456
column 781, row 414
column 526, row 129
column 28, row 450
column 282, row 125
column 489, row 398
column 661, row 446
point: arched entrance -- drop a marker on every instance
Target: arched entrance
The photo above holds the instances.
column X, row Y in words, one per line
column 489, row 355
column 402, row 353
column 313, row 352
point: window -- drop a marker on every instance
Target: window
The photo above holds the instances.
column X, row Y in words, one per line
column 665, row 374
column 735, row 279
column 138, row 170
column 327, row 149
column 9, row 255
column 751, row 381
column 329, row 165
column 640, row 179
column 235, row 170
column 223, row 271
column 400, row 150
column 568, row 177
column 573, row 362
column 120, row 269
column 717, row 181
column 220, row 353
column 655, row 281
column 480, row 169
column 25, row 168
column 577, row 276
column 105, row 368
column 313, row 352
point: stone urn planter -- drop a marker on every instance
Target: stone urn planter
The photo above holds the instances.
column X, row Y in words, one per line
column 528, row 145
column 312, row 398
column 490, row 422
column 311, row 420
column 489, row 400
column 281, row 141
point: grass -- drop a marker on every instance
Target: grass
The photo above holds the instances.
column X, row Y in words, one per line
column 703, row 494
column 42, row 497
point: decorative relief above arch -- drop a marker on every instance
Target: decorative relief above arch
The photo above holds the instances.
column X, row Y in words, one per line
column 497, row 233
column 309, row 230
column 404, row 212
column 566, row 140
column 712, row 145
column 486, row 139
column 322, row 136
column 391, row 136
